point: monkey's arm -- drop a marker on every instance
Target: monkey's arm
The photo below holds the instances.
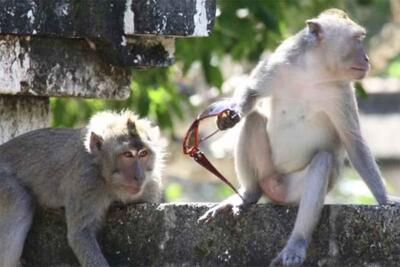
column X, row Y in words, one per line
column 82, row 220
column 261, row 83
column 348, row 127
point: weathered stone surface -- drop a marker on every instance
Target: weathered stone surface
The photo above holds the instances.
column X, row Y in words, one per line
column 58, row 67
column 169, row 235
column 20, row 114
column 94, row 18
column 108, row 24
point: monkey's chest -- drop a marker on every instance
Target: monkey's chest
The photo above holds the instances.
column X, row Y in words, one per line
column 296, row 133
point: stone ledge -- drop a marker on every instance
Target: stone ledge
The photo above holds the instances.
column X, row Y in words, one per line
column 101, row 19
column 169, row 235
column 110, row 25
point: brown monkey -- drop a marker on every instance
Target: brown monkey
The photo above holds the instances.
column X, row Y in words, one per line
column 296, row 157
column 117, row 157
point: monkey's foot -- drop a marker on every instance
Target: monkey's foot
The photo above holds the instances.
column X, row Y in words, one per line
column 293, row 254
column 223, row 208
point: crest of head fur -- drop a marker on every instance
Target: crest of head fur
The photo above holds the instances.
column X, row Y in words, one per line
column 111, row 124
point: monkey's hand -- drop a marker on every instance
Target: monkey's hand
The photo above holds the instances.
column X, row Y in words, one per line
column 227, row 119
column 230, row 206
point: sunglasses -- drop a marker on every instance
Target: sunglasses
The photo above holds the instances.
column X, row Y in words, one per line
column 192, row 141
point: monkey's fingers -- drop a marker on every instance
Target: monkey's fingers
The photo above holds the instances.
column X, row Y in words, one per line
column 227, row 119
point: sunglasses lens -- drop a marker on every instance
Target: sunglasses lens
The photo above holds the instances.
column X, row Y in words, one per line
column 190, row 139
column 208, row 127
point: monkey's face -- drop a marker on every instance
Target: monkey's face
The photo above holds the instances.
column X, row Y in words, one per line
column 341, row 47
column 132, row 166
column 128, row 152
column 353, row 58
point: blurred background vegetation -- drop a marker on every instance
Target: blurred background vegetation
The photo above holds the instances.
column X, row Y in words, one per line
column 244, row 31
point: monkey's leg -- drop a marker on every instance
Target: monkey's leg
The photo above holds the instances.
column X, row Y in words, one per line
column 252, row 161
column 317, row 178
column 16, row 212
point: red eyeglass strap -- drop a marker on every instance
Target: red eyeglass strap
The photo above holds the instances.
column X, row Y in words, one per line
column 201, row 159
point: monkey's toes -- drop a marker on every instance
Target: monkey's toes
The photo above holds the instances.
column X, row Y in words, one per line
column 224, row 210
column 292, row 260
column 293, row 254
column 206, row 217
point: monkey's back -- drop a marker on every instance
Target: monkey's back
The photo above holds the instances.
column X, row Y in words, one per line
column 43, row 160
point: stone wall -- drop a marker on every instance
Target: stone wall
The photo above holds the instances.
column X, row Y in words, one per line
column 169, row 235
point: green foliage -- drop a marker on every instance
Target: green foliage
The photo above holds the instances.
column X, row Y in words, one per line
column 244, row 29
column 394, row 68
column 155, row 95
column 224, row 191
column 173, row 192
column 352, row 189
column 360, row 91
column 73, row 112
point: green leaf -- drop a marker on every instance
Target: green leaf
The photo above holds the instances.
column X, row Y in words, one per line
column 394, row 69
column 360, row 91
column 173, row 192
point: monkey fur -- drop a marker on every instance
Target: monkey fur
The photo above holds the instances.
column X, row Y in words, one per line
column 295, row 156
column 117, row 157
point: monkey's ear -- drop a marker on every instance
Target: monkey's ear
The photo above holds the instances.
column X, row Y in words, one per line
column 95, row 143
column 131, row 127
column 314, row 27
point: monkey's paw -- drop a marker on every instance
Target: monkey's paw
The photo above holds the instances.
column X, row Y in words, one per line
column 227, row 119
column 293, row 254
column 221, row 208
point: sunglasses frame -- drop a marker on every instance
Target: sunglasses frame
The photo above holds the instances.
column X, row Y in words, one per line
column 194, row 151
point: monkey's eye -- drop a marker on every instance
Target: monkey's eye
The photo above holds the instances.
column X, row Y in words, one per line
column 143, row 153
column 128, row 154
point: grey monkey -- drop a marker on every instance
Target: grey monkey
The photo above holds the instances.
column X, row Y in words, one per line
column 117, row 157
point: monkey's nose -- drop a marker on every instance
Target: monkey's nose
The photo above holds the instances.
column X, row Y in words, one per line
column 139, row 178
column 366, row 58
